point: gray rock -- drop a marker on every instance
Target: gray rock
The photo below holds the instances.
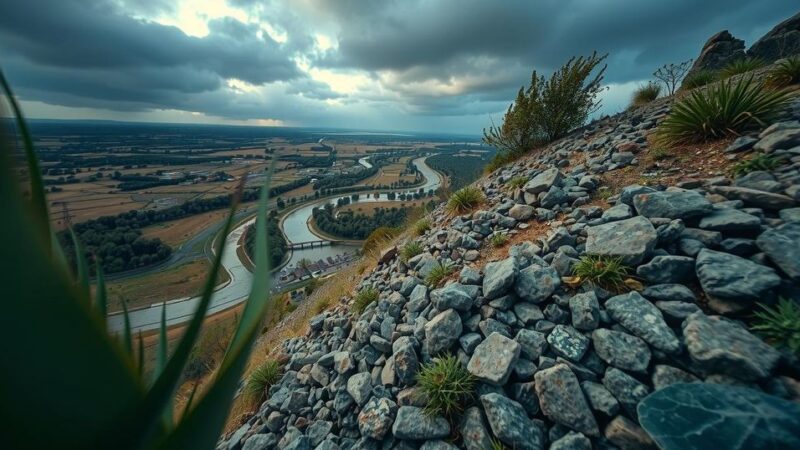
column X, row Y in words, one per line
column 318, row 431
column 644, row 320
column 469, row 341
column 626, row 389
column 720, row 346
column 527, row 313
column 627, row 435
column 628, row 192
column 730, row 220
column 473, row 430
column 543, row 181
column 301, row 443
column 631, row 239
column 664, row 376
column 730, row 277
column 671, row 204
column 532, row 343
column 437, row 445
column 376, row 418
column 568, row 342
column 343, row 363
column 740, row 144
column 537, row 283
column 779, row 140
column 790, row 214
column 572, row 441
column 600, row 399
column 499, row 277
column 585, row 311
column 618, row 212
column 621, row 350
column 669, row 292
column 452, row 296
column 667, row 269
column 412, row 423
column 677, row 310
column 260, row 442
column 442, row 331
column 521, row 212
column 553, row 197
column 753, row 197
column 359, row 387
column 494, row 359
column 469, row 275
column 511, row 424
column 562, row 400
column 406, row 363
column 782, row 246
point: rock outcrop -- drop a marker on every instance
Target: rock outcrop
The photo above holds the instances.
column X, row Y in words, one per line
column 780, row 42
column 720, row 49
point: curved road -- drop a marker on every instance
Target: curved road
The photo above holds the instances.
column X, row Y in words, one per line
column 295, row 228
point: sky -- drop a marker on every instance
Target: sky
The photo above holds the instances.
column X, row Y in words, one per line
column 449, row 66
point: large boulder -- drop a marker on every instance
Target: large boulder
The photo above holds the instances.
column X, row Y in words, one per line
column 536, row 283
column 781, row 41
column 499, row 277
column 621, row 350
column 631, row 239
column 494, row 359
column 643, row 319
column 782, row 246
column 678, row 204
column 562, row 400
column 544, row 181
column 510, row 423
column 754, row 197
column 720, row 49
column 732, row 279
column 375, row 419
column 442, row 331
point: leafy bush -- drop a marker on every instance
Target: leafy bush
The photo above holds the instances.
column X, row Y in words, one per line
column 421, row 226
column 517, row 182
column 498, row 239
column 446, row 385
column 699, row 79
column 439, row 272
column 465, row 199
column 724, row 109
column 262, row 378
column 364, row 298
column 740, row 66
column 786, row 72
column 606, row 272
column 645, row 94
column 549, row 109
column 757, row 162
column 779, row 325
column 410, row 250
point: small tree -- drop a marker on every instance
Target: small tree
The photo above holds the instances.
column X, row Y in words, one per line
column 672, row 74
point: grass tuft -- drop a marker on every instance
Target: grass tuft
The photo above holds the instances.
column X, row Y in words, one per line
column 421, row 226
column 607, row 272
column 757, row 162
column 410, row 250
column 740, row 66
column 439, row 272
column 498, row 239
column 645, row 94
column 659, row 153
column 465, row 199
column 727, row 108
column 364, row 298
column 699, row 79
column 517, row 182
column 264, row 376
column 785, row 73
column 779, row 325
column 447, row 386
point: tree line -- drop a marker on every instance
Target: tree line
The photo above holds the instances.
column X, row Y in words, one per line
column 277, row 247
column 350, row 225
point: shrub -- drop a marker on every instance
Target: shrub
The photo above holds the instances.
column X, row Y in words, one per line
column 364, row 298
column 740, row 66
column 786, row 72
column 517, row 182
column 446, row 385
column 671, row 74
column 779, row 325
column 421, row 226
column 439, row 272
column 757, row 162
column 645, row 94
column 465, row 199
column 498, row 239
column 410, row 250
column 724, row 109
column 659, row 153
column 606, row 272
column 262, row 378
column 699, row 79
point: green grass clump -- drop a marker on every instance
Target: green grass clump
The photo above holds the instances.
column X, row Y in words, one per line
column 757, row 162
column 262, row 378
column 645, row 94
column 439, row 272
column 724, row 109
column 785, row 73
column 498, row 239
column 517, row 182
column 699, row 79
column 421, row 226
column 779, row 325
column 364, row 298
column 497, row 445
column 410, row 250
column 659, row 153
column 465, row 199
column 740, row 66
column 607, row 272
column 447, row 386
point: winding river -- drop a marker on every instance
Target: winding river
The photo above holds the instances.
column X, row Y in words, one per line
column 295, row 228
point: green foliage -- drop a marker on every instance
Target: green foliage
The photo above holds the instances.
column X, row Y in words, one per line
column 364, row 298
column 460, row 170
column 779, row 325
column 100, row 398
column 723, row 109
column 517, row 182
column 606, row 272
column 740, row 66
column 465, row 199
column 548, row 108
column 439, row 272
column 446, row 385
column 352, row 225
column 785, row 73
column 497, row 445
column 698, row 79
column 410, row 250
column 757, row 162
column 421, row 226
column 645, row 94
column 264, row 376
column 279, row 247
column 659, row 153
column 498, row 239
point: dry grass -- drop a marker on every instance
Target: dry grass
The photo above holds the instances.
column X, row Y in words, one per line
column 176, row 232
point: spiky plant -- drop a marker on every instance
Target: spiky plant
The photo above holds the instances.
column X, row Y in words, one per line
column 785, row 73
column 439, row 272
column 498, row 239
column 607, row 272
column 698, row 79
column 779, row 325
column 421, row 226
column 740, row 66
column 446, row 386
column 724, row 109
column 410, row 250
column 364, row 298
column 756, row 162
column 516, row 182
column 465, row 199
column 645, row 94
column 264, row 376
column 100, row 397
column 497, row 445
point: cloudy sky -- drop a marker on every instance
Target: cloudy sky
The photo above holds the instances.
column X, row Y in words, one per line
column 419, row 65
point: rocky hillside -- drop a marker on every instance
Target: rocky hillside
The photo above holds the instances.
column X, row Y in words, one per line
column 560, row 363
